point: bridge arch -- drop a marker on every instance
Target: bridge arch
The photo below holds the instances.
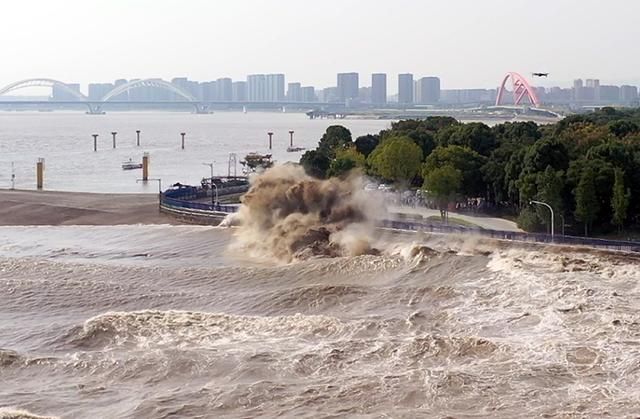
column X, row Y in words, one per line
column 22, row 84
column 134, row 84
column 521, row 88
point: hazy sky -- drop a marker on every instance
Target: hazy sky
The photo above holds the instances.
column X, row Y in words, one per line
column 468, row 43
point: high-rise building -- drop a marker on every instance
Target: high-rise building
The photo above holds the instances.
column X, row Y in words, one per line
column 239, row 89
column 364, row 94
column 193, row 88
column 308, row 94
column 209, row 91
column 628, row 94
column 577, row 90
column 609, row 94
column 405, row 88
column 379, row 88
column 594, row 86
column 124, row 96
column 468, row 96
column 274, row 87
column 428, row 90
column 59, row 93
column 224, row 89
column 294, row 92
column 348, row 86
column 98, row 90
column 329, row 94
column 256, row 88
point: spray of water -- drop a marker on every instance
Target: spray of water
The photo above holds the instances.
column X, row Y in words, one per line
column 289, row 215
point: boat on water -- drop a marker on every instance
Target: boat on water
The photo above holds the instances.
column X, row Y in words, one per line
column 294, row 149
column 256, row 162
column 131, row 165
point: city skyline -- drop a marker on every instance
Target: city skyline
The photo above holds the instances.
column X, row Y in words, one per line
column 93, row 40
column 391, row 83
column 348, row 91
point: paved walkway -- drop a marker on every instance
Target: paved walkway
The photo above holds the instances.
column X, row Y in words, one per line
column 490, row 223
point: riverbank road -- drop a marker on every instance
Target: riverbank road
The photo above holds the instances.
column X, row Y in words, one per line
column 489, row 223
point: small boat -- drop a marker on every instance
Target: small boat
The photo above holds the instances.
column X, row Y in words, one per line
column 131, row 165
column 256, row 162
column 295, row 149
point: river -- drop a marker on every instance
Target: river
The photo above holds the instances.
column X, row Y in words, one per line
column 64, row 140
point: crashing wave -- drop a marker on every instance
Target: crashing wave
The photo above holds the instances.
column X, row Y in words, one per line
column 291, row 216
column 8, row 413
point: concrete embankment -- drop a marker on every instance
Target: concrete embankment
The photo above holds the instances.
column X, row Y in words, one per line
column 21, row 207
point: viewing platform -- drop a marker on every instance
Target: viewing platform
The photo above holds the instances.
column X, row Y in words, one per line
column 201, row 204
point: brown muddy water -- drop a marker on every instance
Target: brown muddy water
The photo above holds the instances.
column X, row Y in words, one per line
column 175, row 322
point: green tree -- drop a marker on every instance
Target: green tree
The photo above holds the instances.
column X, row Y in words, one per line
column 499, row 171
column 346, row 160
column 550, row 185
column 523, row 133
column 475, row 135
column 622, row 128
column 315, row 163
column 528, row 220
column 335, row 137
column 397, row 159
column 619, row 200
column 436, row 123
column 604, row 178
column 365, row 144
column 443, row 183
column 417, row 130
column 587, row 205
column 467, row 161
column 546, row 152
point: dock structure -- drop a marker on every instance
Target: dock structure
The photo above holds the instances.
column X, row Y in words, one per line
column 322, row 114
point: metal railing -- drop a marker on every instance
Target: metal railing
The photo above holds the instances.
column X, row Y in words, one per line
column 513, row 235
column 182, row 199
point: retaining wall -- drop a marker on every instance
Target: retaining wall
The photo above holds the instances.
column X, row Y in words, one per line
column 179, row 203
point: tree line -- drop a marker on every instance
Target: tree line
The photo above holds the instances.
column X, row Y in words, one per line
column 587, row 167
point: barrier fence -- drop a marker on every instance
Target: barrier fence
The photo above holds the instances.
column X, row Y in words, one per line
column 185, row 197
column 181, row 200
column 513, row 235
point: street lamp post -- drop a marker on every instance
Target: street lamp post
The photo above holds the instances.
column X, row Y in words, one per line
column 550, row 209
column 215, row 187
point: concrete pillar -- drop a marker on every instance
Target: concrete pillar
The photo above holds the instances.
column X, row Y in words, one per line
column 138, row 137
column 145, row 166
column 113, row 133
column 183, row 134
column 40, row 173
column 95, row 142
column 291, row 139
column 270, row 134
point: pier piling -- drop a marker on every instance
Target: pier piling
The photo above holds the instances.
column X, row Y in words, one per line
column 145, row 167
column 40, row 173
column 138, row 138
column 183, row 134
column 95, row 142
column 270, row 134
column 291, row 138
column 113, row 133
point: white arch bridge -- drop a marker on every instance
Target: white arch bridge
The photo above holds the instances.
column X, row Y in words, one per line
column 95, row 106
